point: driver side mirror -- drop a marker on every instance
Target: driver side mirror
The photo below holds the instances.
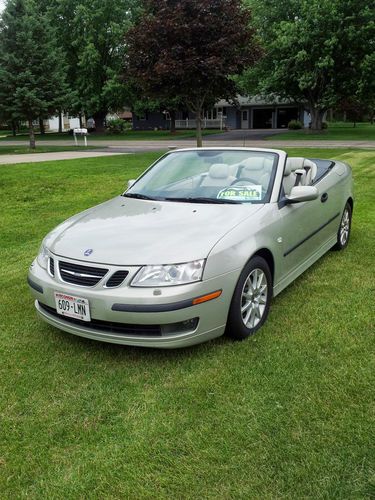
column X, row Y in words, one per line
column 299, row 194
column 130, row 183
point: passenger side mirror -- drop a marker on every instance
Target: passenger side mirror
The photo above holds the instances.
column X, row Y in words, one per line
column 130, row 183
column 299, row 194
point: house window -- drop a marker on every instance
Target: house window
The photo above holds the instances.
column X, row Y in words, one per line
column 211, row 114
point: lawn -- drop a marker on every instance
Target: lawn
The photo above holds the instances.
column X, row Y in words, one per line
column 16, row 150
column 336, row 132
column 288, row 413
column 131, row 135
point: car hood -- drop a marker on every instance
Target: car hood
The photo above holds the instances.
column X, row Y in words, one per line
column 126, row 231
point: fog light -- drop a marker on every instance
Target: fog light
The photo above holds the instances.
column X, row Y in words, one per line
column 189, row 325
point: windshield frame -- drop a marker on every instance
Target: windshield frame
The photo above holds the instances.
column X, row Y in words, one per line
column 279, row 157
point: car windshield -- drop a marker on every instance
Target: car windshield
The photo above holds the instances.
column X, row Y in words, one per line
column 209, row 176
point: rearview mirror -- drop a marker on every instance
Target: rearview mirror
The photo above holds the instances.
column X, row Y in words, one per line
column 130, row 183
column 302, row 193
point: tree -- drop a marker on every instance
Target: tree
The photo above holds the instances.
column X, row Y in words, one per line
column 32, row 73
column 91, row 34
column 98, row 47
column 314, row 50
column 190, row 50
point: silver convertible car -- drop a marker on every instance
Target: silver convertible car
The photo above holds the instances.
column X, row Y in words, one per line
column 196, row 247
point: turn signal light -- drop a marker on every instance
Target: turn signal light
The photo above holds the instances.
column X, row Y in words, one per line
column 206, row 298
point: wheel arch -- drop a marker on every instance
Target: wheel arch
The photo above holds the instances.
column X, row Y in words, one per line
column 267, row 255
column 351, row 203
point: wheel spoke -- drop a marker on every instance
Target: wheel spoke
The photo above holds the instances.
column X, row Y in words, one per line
column 246, row 318
column 252, row 318
column 246, row 307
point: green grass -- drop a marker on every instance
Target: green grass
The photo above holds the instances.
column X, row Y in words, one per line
column 288, row 413
column 336, row 132
column 131, row 135
column 16, row 150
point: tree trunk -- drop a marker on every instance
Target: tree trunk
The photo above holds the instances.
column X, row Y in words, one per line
column 80, row 120
column 14, row 128
column 198, row 119
column 99, row 118
column 316, row 118
column 60, row 122
column 172, row 125
column 31, row 134
column 42, row 130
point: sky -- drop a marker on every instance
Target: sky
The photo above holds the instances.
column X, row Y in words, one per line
column 2, row 4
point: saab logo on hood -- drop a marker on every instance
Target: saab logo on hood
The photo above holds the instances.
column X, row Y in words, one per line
column 88, row 252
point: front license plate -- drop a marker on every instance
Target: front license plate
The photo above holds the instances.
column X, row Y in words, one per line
column 74, row 307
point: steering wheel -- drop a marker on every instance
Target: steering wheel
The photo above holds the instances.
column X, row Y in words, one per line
column 246, row 179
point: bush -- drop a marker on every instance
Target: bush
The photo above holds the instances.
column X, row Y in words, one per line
column 295, row 125
column 324, row 125
column 116, row 126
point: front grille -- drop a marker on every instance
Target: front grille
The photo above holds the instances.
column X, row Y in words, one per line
column 116, row 279
column 51, row 266
column 81, row 275
column 107, row 326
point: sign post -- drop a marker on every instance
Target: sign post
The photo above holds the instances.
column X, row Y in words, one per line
column 80, row 131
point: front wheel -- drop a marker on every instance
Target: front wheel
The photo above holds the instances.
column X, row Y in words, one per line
column 343, row 234
column 251, row 300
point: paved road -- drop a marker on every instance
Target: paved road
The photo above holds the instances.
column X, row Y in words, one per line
column 62, row 155
column 235, row 138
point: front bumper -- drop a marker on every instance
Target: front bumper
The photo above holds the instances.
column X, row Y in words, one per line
column 140, row 307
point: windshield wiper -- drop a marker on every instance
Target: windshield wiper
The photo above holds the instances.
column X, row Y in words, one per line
column 203, row 200
column 138, row 196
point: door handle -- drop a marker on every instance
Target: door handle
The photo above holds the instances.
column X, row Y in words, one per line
column 324, row 197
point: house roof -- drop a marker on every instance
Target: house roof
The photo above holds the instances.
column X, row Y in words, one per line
column 256, row 100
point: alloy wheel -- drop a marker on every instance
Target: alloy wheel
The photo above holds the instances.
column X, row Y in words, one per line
column 344, row 227
column 254, row 298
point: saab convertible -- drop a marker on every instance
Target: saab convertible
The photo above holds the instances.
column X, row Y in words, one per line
column 196, row 247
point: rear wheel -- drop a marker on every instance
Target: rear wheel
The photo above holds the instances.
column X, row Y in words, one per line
column 251, row 300
column 343, row 234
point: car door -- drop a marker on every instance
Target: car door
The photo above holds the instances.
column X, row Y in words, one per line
column 308, row 226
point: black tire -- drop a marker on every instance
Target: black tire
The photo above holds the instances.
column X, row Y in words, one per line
column 236, row 327
column 343, row 233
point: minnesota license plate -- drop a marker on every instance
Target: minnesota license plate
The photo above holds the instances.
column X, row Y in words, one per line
column 72, row 306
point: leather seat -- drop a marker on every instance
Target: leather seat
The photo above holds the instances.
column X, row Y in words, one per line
column 296, row 165
column 311, row 171
column 256, row 168
column 218, row 176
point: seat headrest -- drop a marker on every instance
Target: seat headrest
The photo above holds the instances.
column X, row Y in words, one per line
column 219, row 171
column 295, row 163
column 313, row 167
column 254, row 163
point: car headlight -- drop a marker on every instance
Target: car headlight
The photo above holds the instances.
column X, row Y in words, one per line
column 43, row 256
column 168, row 275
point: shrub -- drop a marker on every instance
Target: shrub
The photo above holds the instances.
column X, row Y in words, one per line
column 295, row 125
column 324, row 125
column 115, row 126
